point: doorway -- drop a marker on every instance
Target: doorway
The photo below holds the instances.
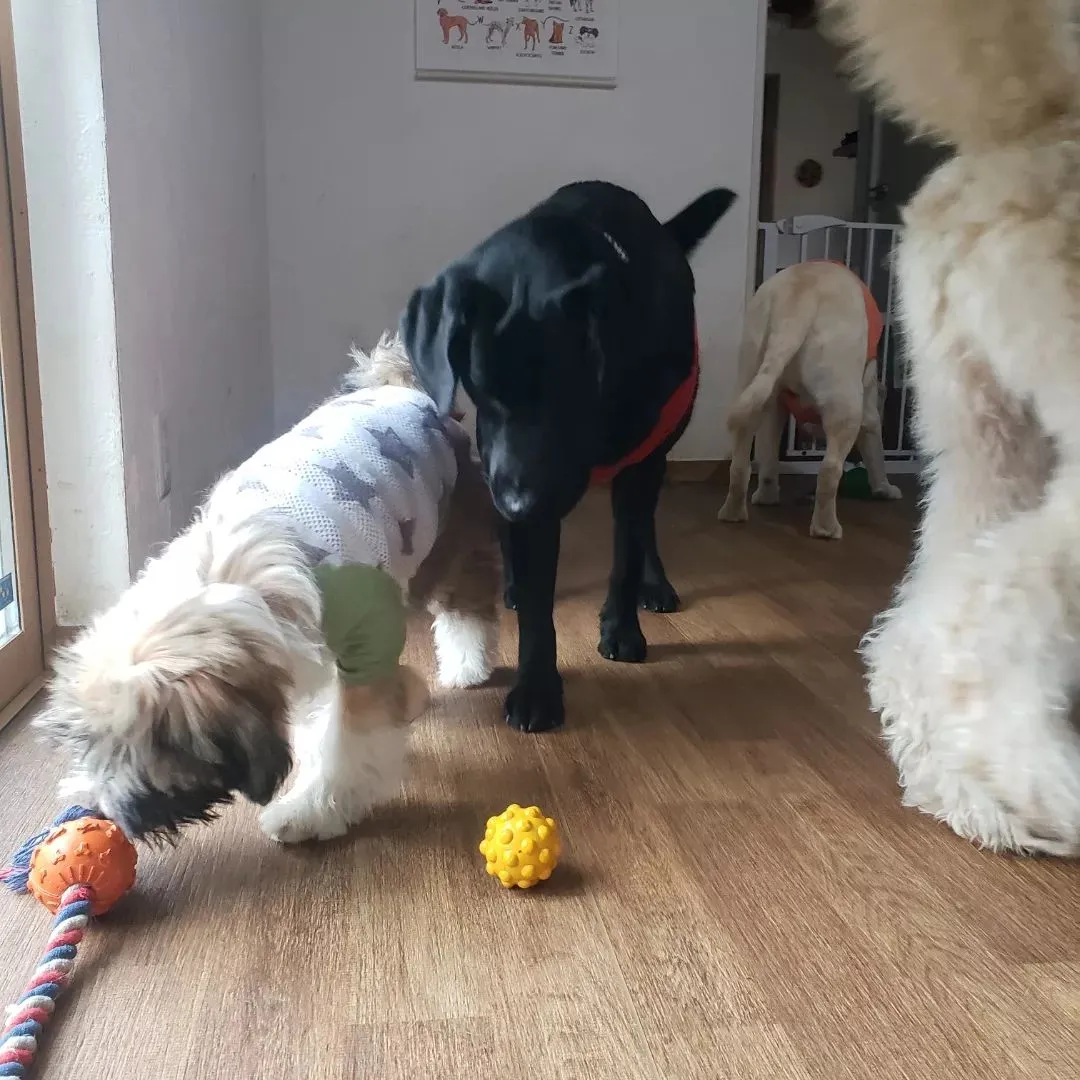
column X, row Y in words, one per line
column 891, row 165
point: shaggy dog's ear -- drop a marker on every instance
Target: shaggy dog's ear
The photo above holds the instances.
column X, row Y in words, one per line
column 198, row 699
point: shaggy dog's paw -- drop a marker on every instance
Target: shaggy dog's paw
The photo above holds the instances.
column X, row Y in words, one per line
column 658, row 596
column 536, row 707
column 621, row 641
column 463, row 645
column 292, row 821
column 890, row 491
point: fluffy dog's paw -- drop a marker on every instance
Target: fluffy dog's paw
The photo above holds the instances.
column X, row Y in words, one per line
column 536, row 707
column 292, row 821
column 890, row 491
column 659, row 596
column 621, row 641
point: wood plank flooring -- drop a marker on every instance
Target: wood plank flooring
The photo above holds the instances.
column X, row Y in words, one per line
column 742, row 896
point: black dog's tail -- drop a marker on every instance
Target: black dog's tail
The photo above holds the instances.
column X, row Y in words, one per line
column 690, row 226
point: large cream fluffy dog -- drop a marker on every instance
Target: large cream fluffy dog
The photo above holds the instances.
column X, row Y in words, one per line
column 807, row 331
column 281, row 611
column 975, row 668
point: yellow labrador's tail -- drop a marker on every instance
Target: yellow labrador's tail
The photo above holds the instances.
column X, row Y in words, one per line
column 977, row 74
column 766, row 350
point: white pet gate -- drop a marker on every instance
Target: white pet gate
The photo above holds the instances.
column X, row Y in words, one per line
column 867, row 249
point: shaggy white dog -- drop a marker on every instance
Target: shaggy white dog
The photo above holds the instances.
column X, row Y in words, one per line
column 808, row 331
column 274, row 625
column 975, row 668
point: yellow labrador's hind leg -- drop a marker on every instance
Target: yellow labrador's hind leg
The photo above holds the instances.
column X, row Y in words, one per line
column 840, row 434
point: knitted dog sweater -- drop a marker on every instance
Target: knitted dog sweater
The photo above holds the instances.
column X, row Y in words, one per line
column 363, row 484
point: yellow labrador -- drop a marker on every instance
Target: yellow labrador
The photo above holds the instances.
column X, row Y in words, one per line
column 812, row 331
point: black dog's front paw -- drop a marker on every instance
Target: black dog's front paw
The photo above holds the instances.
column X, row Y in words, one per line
column 535, row 707
column 621, row 641
column 658, row 596
column 510, row 598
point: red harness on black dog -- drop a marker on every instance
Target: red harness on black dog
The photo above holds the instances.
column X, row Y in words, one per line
column 676, row 409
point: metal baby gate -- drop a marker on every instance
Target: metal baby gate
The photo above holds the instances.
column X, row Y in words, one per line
column 867, row 248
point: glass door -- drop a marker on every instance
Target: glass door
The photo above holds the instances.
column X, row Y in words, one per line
column 21, row 644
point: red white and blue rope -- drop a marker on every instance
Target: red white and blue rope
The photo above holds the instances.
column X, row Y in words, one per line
column 28, row 1016
column 16, row 874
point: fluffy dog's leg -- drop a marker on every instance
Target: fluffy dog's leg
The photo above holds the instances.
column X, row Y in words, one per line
column 989, row 461
column 841, row 429
column 352, row 757
column 1003, row 767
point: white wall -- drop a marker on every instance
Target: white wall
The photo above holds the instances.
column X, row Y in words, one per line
column 63, row 132
column 817, row 107
column 375, row 181
column 183, row 104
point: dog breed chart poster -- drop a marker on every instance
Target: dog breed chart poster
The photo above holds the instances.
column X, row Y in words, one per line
column 548, row 41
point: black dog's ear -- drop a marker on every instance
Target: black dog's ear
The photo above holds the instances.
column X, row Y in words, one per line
column 578, row 300
column 428, row 328
column 585, row 307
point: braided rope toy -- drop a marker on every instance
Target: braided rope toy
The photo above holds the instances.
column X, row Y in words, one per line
column 78, row 868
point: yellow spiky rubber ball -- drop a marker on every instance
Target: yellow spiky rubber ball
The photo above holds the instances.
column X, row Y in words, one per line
column 521, row 847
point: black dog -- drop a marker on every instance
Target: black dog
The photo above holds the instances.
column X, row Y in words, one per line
column 572, row 330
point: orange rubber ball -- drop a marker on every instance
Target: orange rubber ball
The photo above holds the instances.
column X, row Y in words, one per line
column 88, row 851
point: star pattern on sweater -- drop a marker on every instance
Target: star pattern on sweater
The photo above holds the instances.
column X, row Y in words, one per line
column 314, row 554
column 348, row 487
column 394, row 449
column 408, row 528
column 429, row 416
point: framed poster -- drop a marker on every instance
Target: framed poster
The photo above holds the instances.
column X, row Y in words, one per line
column 542, row 41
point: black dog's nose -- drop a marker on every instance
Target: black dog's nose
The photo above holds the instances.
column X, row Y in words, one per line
column 513, row 502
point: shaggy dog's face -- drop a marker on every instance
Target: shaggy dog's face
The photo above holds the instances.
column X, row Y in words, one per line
column 174, row 701
column 532, row 370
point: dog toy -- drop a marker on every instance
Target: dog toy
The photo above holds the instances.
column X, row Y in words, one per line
column 522, row 847
column 855, row 484
column 77, row 869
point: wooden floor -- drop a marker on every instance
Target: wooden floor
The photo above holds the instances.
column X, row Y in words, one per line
column 742, row 895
